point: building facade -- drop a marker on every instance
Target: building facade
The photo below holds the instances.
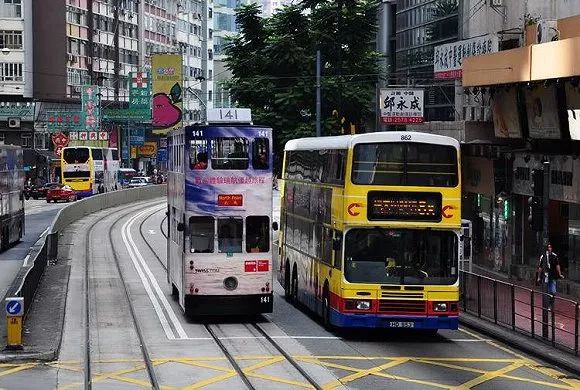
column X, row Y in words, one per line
column 421, row 25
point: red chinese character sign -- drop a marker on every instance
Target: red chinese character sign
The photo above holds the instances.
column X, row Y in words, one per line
column 401, row 106
column 59, row 140
column 91, row 107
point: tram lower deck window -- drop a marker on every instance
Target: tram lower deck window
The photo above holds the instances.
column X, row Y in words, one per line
column 230, row 232
column 202, row 234
column 257, row 234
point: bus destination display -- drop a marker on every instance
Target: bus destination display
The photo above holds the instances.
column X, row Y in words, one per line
column 391, row 206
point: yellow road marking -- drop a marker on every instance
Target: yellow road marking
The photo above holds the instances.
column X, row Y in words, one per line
column 280, row 380
column 365, row 372
column 489, row 376
column 212, row 380
column 17, row 369
column 405, row 379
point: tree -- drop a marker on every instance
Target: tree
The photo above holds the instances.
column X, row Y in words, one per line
column 273, row 65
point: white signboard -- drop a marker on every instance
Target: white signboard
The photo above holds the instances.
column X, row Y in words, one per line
column 448, row 58
column 401, row 106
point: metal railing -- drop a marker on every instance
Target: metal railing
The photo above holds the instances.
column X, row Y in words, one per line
column 554, row 320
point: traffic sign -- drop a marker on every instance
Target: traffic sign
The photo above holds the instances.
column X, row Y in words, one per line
column 14, row 307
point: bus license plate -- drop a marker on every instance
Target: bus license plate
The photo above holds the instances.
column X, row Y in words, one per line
column 401, row 324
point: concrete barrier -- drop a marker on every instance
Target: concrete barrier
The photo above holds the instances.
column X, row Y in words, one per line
column 93, row 204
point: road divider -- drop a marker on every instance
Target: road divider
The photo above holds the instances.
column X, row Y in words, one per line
column 46, row 248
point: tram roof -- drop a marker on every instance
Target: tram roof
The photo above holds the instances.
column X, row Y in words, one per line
column 347, row 141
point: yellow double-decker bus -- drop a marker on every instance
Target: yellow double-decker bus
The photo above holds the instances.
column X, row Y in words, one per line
column 370, row 229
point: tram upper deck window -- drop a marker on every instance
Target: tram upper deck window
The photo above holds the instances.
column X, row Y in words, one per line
column 76, row 155
column 201, row 234
column 257, row 234
column 198, row 154
column 260, row 153
column 229, row 153
column 230, row 235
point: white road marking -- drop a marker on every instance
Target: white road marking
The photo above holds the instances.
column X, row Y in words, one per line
column 44, row 232
column 151, row 231
column 153, row 281
column 25, row 263
column 162, row 319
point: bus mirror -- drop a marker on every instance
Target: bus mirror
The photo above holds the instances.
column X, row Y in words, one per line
column 275, row 226
column 180, row 227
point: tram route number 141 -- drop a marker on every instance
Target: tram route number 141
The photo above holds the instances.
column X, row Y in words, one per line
column 265, row 299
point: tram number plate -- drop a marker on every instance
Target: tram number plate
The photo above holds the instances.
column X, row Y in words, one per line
column 401, row 324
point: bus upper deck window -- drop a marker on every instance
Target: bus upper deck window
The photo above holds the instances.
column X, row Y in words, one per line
column 229, row 153
column 202, row 234
column 198, row 154
column 257, row 234
column 230, row 235
column 260, row 153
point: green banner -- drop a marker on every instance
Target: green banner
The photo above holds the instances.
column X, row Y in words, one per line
column 64, row 120
column 127, row 114
column 91, row 99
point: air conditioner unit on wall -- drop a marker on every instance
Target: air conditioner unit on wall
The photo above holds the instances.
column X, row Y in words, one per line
column 547, row 31
column 14, row 123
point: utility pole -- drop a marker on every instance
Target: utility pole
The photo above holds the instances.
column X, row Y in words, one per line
column 545, row 239
column 318, row 102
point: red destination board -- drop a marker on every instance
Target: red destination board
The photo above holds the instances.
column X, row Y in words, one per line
column 230, row 200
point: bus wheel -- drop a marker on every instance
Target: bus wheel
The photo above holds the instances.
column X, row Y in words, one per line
column 429, row 332
column 287, row 291
column 294, row 295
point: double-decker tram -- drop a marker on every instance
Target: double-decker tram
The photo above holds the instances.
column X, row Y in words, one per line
column 370, row 229
column 11, row 195
column 219, row 195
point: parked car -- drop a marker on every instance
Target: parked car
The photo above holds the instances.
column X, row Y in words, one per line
column 37, row 192
column 60, row 192
column 138, row 182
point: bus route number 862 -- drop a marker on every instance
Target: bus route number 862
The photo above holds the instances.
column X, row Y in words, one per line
column 406, row 137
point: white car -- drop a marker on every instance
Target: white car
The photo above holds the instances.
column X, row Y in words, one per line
column 138, row 182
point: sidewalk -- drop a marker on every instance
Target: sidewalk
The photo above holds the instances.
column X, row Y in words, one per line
column 489, row 296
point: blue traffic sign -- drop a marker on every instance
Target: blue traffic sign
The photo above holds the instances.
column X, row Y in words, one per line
column 14, row 306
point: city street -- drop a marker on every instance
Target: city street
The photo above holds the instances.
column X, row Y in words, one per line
column 183, row 354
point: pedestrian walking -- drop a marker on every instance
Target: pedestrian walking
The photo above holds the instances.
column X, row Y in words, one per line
column 549, row 272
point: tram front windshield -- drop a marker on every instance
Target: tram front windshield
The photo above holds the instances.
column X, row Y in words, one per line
column 401, row 256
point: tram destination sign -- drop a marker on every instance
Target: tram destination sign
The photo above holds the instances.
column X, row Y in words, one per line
column 398, row 206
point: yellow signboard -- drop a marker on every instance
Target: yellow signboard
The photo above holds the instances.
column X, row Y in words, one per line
column 167, row 92
column 148, row 149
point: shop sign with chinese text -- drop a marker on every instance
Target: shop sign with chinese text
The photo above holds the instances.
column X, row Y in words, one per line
column 401, row 106
column 64, row 120
column 448, row 58
column 140, row 91
column 91, row 100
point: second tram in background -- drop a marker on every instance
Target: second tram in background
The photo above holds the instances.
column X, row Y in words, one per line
column 219, row 195
column 88, row 170
column 370, row 229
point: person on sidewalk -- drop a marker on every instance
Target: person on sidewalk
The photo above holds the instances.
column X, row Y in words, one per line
column 549, row 271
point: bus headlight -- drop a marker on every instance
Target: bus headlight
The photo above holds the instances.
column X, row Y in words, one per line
column 363, row 305
column 230, row 283
column 439, row 306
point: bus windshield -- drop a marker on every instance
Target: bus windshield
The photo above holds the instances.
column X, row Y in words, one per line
column 76, row 155
column 405, row 164
column 401, row 256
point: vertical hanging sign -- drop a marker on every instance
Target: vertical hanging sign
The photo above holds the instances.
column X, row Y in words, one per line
column 167, row 92
column 140, row 91
column 91, row 100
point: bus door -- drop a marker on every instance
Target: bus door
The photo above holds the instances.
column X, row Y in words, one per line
column 465, row 246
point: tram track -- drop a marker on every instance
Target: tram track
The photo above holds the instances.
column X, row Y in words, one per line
column 125, row 292
column 254, row 325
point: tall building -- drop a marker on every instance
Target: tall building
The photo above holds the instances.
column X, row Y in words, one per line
column 269, row 7
column 420, row 26
column 16, row 106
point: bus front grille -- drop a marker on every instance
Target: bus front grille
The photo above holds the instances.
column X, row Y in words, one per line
column 402, row 295
column 401, row 307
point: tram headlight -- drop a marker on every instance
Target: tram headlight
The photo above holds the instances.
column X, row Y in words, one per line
column 363, row 305
column 230, row 283
column 439, row 306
